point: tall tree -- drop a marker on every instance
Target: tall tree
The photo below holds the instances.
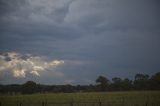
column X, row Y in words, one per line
column 141, row 82
column 102, row 83
column 127, row 84
column 29, row 87
column 155, row 81
column 116, row 83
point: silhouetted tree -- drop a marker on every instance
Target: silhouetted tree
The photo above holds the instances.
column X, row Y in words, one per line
column 29, row 87
column 155, row 82
column 141, row 82
column 67, row 88
column 127, row 84
column 116, row 83
column 102, row 82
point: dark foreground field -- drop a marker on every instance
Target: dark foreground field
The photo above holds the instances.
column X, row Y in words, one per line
column 132, row 98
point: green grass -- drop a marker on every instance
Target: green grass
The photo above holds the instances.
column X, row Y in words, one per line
column 132, row 98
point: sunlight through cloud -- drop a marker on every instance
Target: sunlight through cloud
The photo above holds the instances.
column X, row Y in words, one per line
column 20, row 65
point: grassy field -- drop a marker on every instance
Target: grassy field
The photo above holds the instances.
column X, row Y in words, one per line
column 132, row 98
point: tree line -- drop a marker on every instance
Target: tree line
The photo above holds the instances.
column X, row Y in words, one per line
column 140, row 82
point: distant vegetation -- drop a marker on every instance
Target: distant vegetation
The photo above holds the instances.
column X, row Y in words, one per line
column 141, row 82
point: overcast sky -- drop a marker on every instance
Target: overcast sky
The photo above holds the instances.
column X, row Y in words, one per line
column 75, row 41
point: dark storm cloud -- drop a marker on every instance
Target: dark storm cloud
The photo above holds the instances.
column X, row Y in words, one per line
column 114, row 38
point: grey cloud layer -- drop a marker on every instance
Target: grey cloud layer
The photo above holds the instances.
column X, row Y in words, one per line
column 115, row 38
